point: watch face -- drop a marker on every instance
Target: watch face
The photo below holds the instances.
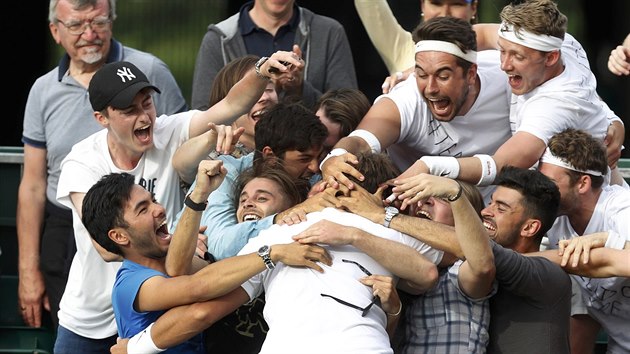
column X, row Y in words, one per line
column 391, row 210
column 263, row 249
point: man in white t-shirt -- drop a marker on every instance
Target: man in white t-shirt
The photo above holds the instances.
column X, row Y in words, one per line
column 457, row 104
column 138, row 143
column 576, row 162
column 553, row 89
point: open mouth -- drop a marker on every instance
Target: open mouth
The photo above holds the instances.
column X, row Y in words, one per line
column 515, row 80
column 256, row 115
column 440, row 105
column 162, row 231
column 251, row 217
column 143, row 134
column 423, row 214
column 489, row 226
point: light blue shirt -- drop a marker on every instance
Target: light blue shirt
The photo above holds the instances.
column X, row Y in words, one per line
column 226, row 236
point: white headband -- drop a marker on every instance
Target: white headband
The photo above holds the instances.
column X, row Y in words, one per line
column 446, row 47
column 540, row 42
column 550, row 158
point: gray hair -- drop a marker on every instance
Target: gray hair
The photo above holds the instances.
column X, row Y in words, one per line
column 79, row 5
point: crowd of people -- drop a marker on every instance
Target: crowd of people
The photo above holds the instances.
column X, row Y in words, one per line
column 475, row 206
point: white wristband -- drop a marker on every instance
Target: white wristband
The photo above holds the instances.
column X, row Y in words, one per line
column 142, row 343
column 445, row 166
column 615, row 240
column 488, row 170
column 333, row 152
column 370, row 139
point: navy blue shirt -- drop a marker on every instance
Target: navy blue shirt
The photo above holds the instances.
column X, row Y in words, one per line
column 262, row 43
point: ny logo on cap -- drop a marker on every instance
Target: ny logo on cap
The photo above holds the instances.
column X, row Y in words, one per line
column 125, row 74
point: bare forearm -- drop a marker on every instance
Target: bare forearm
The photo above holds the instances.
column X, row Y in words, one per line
column 30, row 219
column 183, row 243
column 182, row 323
column 472, row 238
column 187, row 157
column 403, row 261
column 434, row 234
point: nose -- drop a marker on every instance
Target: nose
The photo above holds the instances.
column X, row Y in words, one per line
column 432, row 86
column 506, row 62
column 487, row 211
column 446, row 11
column 429, row 201
column 159, row 211
column 313, row 166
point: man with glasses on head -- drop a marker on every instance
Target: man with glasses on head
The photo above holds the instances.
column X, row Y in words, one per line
column 58, row 115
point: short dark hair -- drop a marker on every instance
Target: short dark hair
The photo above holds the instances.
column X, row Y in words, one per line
column 449, row 29
column 104, row 207
column 295, row 189
column 541, row 197
column 288, row 126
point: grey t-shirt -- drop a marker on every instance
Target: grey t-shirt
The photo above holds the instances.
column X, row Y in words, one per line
column 531, row 310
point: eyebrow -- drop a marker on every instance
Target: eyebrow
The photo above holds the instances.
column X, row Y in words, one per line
column 140, row 205
column 258, row 191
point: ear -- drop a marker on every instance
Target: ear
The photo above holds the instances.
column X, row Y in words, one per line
column 101, row 119
column 118, row 236
column 267, row 152
column 584, row 184
column 471, row 75
column 54, row 31
column 530, row 227
column 552, row 58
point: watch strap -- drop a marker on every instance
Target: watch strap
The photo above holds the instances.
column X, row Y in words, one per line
column 195, row 206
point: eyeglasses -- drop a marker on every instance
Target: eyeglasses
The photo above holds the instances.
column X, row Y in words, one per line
column 364, row 310
column 77, row 28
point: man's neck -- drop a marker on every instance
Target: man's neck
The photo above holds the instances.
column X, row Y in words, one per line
column 122, row 158
column 580, row 217
column 83, row 72
column 473, row 93
column 268, row 21
column 153, row 263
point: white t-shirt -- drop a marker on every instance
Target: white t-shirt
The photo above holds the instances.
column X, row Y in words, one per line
column 606, row 299
column 300, row 319
column 480, row 131
column 566, row 101
column 86, row 304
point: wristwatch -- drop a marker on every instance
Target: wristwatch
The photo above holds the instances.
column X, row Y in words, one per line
column 264, row 253
column 195, row 206
column 257, row 66
column 390, row 212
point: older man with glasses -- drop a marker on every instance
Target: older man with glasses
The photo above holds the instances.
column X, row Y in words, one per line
column 58, row 114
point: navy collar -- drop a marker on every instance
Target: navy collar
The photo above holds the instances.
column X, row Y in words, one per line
column 247, row 25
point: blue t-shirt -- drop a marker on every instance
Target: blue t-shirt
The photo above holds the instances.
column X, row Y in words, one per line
column 130, row 322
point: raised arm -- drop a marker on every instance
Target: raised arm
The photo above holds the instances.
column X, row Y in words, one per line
column 210, row 174
column 379, row 129
column 394, row 44
column 188, row 156
column 243, row 95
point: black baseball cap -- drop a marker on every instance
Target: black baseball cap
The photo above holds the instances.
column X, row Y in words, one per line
column 116, row 84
